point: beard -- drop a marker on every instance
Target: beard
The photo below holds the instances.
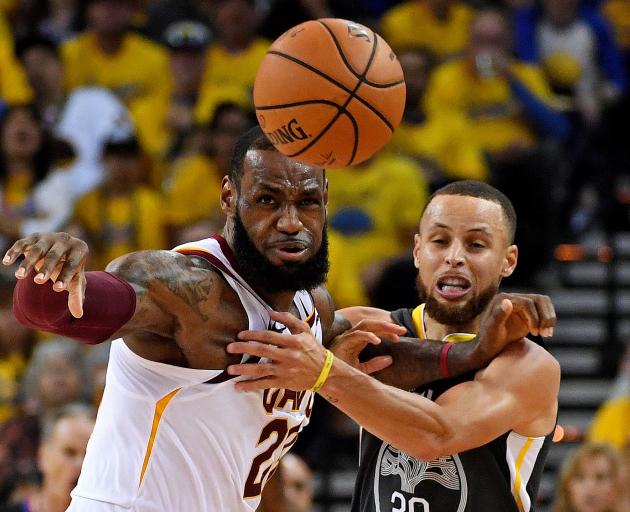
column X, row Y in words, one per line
column 453, row 315
column 263, row 275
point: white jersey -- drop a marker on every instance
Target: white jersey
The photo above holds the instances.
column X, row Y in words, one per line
column 175, row 439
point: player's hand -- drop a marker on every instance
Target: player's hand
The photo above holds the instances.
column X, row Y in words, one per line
column 58, row 257
column 350, row 344
column 295, row 361
column 511, row 317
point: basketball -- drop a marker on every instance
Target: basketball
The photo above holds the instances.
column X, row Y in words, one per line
column 329, row 92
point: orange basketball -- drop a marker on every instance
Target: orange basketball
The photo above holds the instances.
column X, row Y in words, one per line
column 329, row 92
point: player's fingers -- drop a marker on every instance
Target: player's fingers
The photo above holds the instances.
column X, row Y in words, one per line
column 252, row 370
column 53, row 259
column 17, row 249
column 526, row 307
column 76, row 295
column 294, row 324
column 32, row 254
column 74, row 264
column 547, row 315
column 376, row 364
column 254, row 348
column 383, row 329
column 268, row 337
column 256, row 384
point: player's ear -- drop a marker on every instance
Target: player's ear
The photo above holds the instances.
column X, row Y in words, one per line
column 325, row 192
column 229, row 196
column 509, row 262
column 417, row 242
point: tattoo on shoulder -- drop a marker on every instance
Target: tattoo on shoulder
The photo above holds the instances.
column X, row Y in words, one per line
column 171, row 279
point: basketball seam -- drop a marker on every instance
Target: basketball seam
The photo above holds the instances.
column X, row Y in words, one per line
column 343, row 110
column 334, row 82
column 349, row 66
column 298, row 104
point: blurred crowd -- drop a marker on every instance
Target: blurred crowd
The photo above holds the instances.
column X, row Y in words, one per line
column 118, row 119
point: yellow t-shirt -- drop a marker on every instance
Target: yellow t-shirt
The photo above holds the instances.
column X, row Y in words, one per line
column 618, row 14
column 412, row 24
column 122, row 224
column 612, row 423
column 138, row 73
column 11, row 369
column 376, row 206
column 447, row 140
column 496, row 116
column 192, row 190
column 229, row 77
column 343, row 282
column 14, row 87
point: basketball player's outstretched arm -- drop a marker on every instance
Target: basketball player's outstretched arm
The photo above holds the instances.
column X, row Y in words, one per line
column 142, row 294
column 517, row 391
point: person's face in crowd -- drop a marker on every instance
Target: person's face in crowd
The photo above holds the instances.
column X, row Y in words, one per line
column 439, row 7
column 593, row 487
column 123, row 171
column 279, row 217
column 62, row 454
column 561, row 12
column 187, row 67
column 415, row 68
column 110, row 17
column 461, row 252
column 489, row 36
column 59, row 382
column 43, row 69
column 229, row 127
column 298, row 483
column 235, row 21
column 21, row 135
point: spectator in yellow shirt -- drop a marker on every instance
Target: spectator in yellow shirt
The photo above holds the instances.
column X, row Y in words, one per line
column 375, row 207
column 14, row 88
column 187, row 41
column 121, row 215
column 440, row 25
column 233, row 59
column 110, row 55
column 191, row 189
column 442, row 143
column 510, row 107
column 618, row 14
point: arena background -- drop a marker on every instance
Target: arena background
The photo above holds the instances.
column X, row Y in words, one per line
column 117, row 120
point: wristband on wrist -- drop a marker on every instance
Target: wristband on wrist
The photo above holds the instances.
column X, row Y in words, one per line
column 323, row 376
column 444, row 373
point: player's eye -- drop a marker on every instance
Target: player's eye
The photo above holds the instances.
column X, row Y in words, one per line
column 266, row 199
column 310, row 201
column 438, row 241
column 477, row 245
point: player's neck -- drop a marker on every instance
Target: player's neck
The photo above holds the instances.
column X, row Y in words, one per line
column 437, row 331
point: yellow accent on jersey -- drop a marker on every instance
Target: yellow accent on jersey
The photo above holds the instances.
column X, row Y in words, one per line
column 160, row 407
column 138, row 73
column 413, row 24
column 229, row 77
column 417, row 316
column 496, row 117
column 517, row 479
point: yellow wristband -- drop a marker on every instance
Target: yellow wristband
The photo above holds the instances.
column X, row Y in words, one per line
column 321, row 380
